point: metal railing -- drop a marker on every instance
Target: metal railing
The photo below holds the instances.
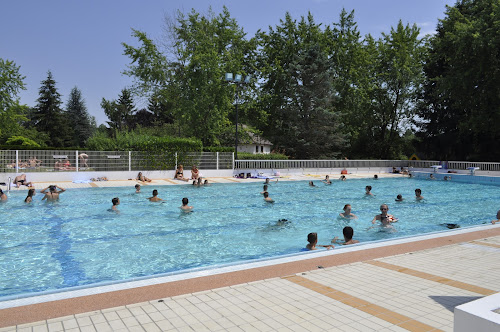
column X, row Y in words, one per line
column 25, row 161
column 293, row 164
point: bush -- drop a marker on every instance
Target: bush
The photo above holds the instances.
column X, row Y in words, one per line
column 270, row 156
column 22, row 141
column 218, row 148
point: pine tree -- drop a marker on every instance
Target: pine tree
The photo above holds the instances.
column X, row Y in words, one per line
column 78, row 117
column 48, row 116
column 119, row 112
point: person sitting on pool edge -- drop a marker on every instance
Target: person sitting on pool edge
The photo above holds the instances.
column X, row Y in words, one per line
column 347, row 213
column 20, row 180
column 29, row 198
column 116, row 202
column 498, row 218
column 179, row 174
column 399, row 198
column 418, row 194
column 348, row 235
column 185, row 207
column 195, row 173
column 142, row 178
column 312, row 238
column 384, row 218
column 137, row 188
column 155, row 197
column 267, row 198
column 53, row 194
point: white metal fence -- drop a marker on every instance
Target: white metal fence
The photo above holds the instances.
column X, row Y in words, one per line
column 82, row 160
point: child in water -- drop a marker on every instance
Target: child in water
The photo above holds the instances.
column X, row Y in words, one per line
column 312, row 238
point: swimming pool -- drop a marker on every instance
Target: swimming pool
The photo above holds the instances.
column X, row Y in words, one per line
column 77, row 241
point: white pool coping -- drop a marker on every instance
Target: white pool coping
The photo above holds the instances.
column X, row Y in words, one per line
column 23, row 300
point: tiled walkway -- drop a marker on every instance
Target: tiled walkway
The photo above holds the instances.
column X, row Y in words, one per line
column 415, row 291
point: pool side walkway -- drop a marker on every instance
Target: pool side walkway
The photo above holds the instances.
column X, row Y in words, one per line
column 407, row 286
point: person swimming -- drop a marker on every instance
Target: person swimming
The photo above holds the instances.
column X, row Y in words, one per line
column 3, row 197
column 264, row 189
column 327, row 180
column 267, row 198
column 311, row 184
column 348, row 237
column 498, row 218
column 155, row 197
column 137, row 188
column 418, row 194
column 368, row 190
column 384, row 218
column 399, row 198
column 29, row 198
column 116, row 202
column 312, row 238
column 185, row 207
column 347, row 213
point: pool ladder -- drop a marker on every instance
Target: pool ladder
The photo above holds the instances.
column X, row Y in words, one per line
column 8, row 184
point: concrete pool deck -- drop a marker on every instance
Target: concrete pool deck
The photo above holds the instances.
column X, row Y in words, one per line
column 405, row 285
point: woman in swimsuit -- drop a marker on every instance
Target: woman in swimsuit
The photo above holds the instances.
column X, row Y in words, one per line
column 29, row 198
column 179, row 173
column 142, row 178
column 53, row 194
column 195, row 173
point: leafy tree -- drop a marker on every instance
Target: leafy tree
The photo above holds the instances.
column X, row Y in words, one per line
column 78, row 117
column 48, row 117
column 461, row 100
column 119, row 112
column 12, row 113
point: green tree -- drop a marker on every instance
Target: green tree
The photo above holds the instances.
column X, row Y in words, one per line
column 48, row 117
column 12, row 113
column 119, row 112
column 78, row 117
column 461, row 100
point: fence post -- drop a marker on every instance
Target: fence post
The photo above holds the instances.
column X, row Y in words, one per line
column 217, row 160
column 234, row 162
column 176, row 161
column 76, row 158
column 17, row 161
column 130, row 161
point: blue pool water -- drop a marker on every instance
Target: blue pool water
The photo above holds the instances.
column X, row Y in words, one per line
column 77, row 241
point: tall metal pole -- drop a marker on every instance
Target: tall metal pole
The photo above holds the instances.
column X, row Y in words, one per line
column 236, row 136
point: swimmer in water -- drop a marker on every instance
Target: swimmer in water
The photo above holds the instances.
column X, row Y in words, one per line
column 342, row 178
column 347, row 213
column 348, row 235
column 384, row 218
column 206, row 183
column 312, row 238
column 264, row 189
column 155, row 197
column 368, row 190
column 418, row 194
column 3, row 197
column 327, row 180
column 53, row 194
column 185, row 207
column 498, row 218
column 116, row 202
column 29, row 198
column 399, row 198
column 431, row 177
column 311, row 184
column 137, row 188
column 375, row 177
column 267, row 198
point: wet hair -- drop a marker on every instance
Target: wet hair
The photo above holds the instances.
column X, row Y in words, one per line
column 52, row 188
column 206, row 182
column 266, row 194
column 1, row 192
column 345, row 206
column 399, row 196
column 31, row 192
column 418, row 191
column 137, row 186
column 375, row 176
column 115, row 200
column 348, row 233
column 155, row 192
column 185, row 201
column 368, row 187
column 312, row 237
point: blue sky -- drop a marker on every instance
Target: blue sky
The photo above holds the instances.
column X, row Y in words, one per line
column 80, row 41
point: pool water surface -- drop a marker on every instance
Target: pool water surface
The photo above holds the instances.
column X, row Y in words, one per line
column 77, row 241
